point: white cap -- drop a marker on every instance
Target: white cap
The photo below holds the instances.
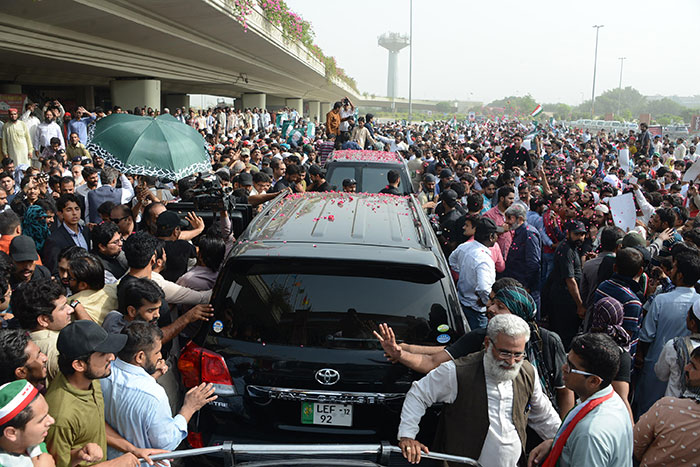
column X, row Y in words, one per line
column 696, row 309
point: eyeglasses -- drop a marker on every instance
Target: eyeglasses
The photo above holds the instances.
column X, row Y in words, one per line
column 505, row 354
column 118, row 241
column 119, row 219
column 570, row 369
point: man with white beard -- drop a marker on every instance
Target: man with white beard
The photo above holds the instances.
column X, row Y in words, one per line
column 491, row 397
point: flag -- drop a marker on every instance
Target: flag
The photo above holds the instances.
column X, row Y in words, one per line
column 537, row 111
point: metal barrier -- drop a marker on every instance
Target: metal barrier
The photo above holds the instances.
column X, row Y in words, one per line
column 380, row 452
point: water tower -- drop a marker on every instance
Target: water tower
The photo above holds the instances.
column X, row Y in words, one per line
column 393, row 42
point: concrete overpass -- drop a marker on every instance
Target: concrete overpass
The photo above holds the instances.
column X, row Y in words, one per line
column 401, row 105
column 154, row 52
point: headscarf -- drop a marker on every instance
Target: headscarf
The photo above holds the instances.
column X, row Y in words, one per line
column 607, row 316
column 34, row 225
column 520, row 303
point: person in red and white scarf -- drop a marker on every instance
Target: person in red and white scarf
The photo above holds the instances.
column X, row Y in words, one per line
column 598, row 431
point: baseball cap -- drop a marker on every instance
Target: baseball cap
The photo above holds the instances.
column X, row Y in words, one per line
column 349, row 182
column 245, row 152
column 577, row 227
column 631, row 240
column 449, row 197
column 23, row 248
column 170, row 219
column 429, row 178
column 486, row 225
column 445, row 173
column 244, row 179
column 602, row 209
column 84, row 337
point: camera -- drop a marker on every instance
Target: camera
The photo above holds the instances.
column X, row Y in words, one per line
column 209, row 195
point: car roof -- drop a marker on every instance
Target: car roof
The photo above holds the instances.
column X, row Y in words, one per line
column 354, row 155
column 333, row 224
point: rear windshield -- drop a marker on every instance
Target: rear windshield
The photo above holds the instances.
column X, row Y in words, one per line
column 370, row 178
column 332, row 311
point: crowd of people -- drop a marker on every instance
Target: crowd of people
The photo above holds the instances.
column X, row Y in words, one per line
column 578, row 329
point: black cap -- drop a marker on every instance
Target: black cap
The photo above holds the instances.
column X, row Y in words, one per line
column 486, row 225
column 577, row 227
column 429, row 178
column 245, row 179
column 349, row 182
column 445, row 173
column 23, row 248
column 84, row 337
column 449, row 197
column 170, row 219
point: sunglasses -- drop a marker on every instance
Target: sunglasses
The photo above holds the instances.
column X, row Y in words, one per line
column 119, row 219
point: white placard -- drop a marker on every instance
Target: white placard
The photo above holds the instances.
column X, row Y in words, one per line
column 624, row 213
column 692, row 173
column 624, row 158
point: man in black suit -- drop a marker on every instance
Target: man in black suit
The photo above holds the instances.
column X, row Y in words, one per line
column 69, row 233
column 67, row 185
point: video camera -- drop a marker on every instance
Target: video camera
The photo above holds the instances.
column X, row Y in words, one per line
column 209, row 195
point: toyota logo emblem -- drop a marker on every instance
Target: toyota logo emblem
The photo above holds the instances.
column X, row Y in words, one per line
column 327, row 376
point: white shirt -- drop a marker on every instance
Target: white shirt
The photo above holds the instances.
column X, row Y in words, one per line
column 480, row 273
column 345, row 125
column 44, row 133
column 502, row 445
column 679, row 152
column 667, row 368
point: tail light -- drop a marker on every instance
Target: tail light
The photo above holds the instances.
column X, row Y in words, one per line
column 198, row 365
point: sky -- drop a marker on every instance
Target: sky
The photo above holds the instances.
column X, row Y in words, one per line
column 486, row 50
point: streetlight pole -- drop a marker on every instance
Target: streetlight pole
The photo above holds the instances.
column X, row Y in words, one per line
column 619, row 88
column 410, row 63
column 595, row 66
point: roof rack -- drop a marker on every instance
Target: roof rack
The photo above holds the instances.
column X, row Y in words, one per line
column 420, row 226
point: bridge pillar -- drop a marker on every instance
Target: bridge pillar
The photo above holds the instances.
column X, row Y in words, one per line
column 325, row 107
column 130, row 93
column 315, row 111
column 295, row 103
column 174, row 101
column 251, row 100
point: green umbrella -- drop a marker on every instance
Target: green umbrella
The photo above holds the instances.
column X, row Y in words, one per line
column 160, row 147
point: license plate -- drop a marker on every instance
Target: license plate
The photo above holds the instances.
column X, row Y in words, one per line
column 318, row 413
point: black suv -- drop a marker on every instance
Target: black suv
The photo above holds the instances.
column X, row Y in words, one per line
column 291, row 349
column 368, row 168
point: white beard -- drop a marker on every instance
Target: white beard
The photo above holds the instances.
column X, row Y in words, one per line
column 494, row 369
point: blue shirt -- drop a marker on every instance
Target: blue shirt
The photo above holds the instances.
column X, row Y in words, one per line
column 603, row 437
column 525, row 257
column 665, row 320
column 80, row 127
column 78, row 238
column 537, row 221
column 619, row 288
column 138, row 408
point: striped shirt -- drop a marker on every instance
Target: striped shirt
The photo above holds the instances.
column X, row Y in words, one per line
column 621, row 289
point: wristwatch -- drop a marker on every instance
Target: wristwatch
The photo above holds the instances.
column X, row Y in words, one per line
column 73, row 303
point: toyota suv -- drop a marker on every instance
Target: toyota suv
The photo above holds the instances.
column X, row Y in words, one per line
column 368, row 168
column 290, row 349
